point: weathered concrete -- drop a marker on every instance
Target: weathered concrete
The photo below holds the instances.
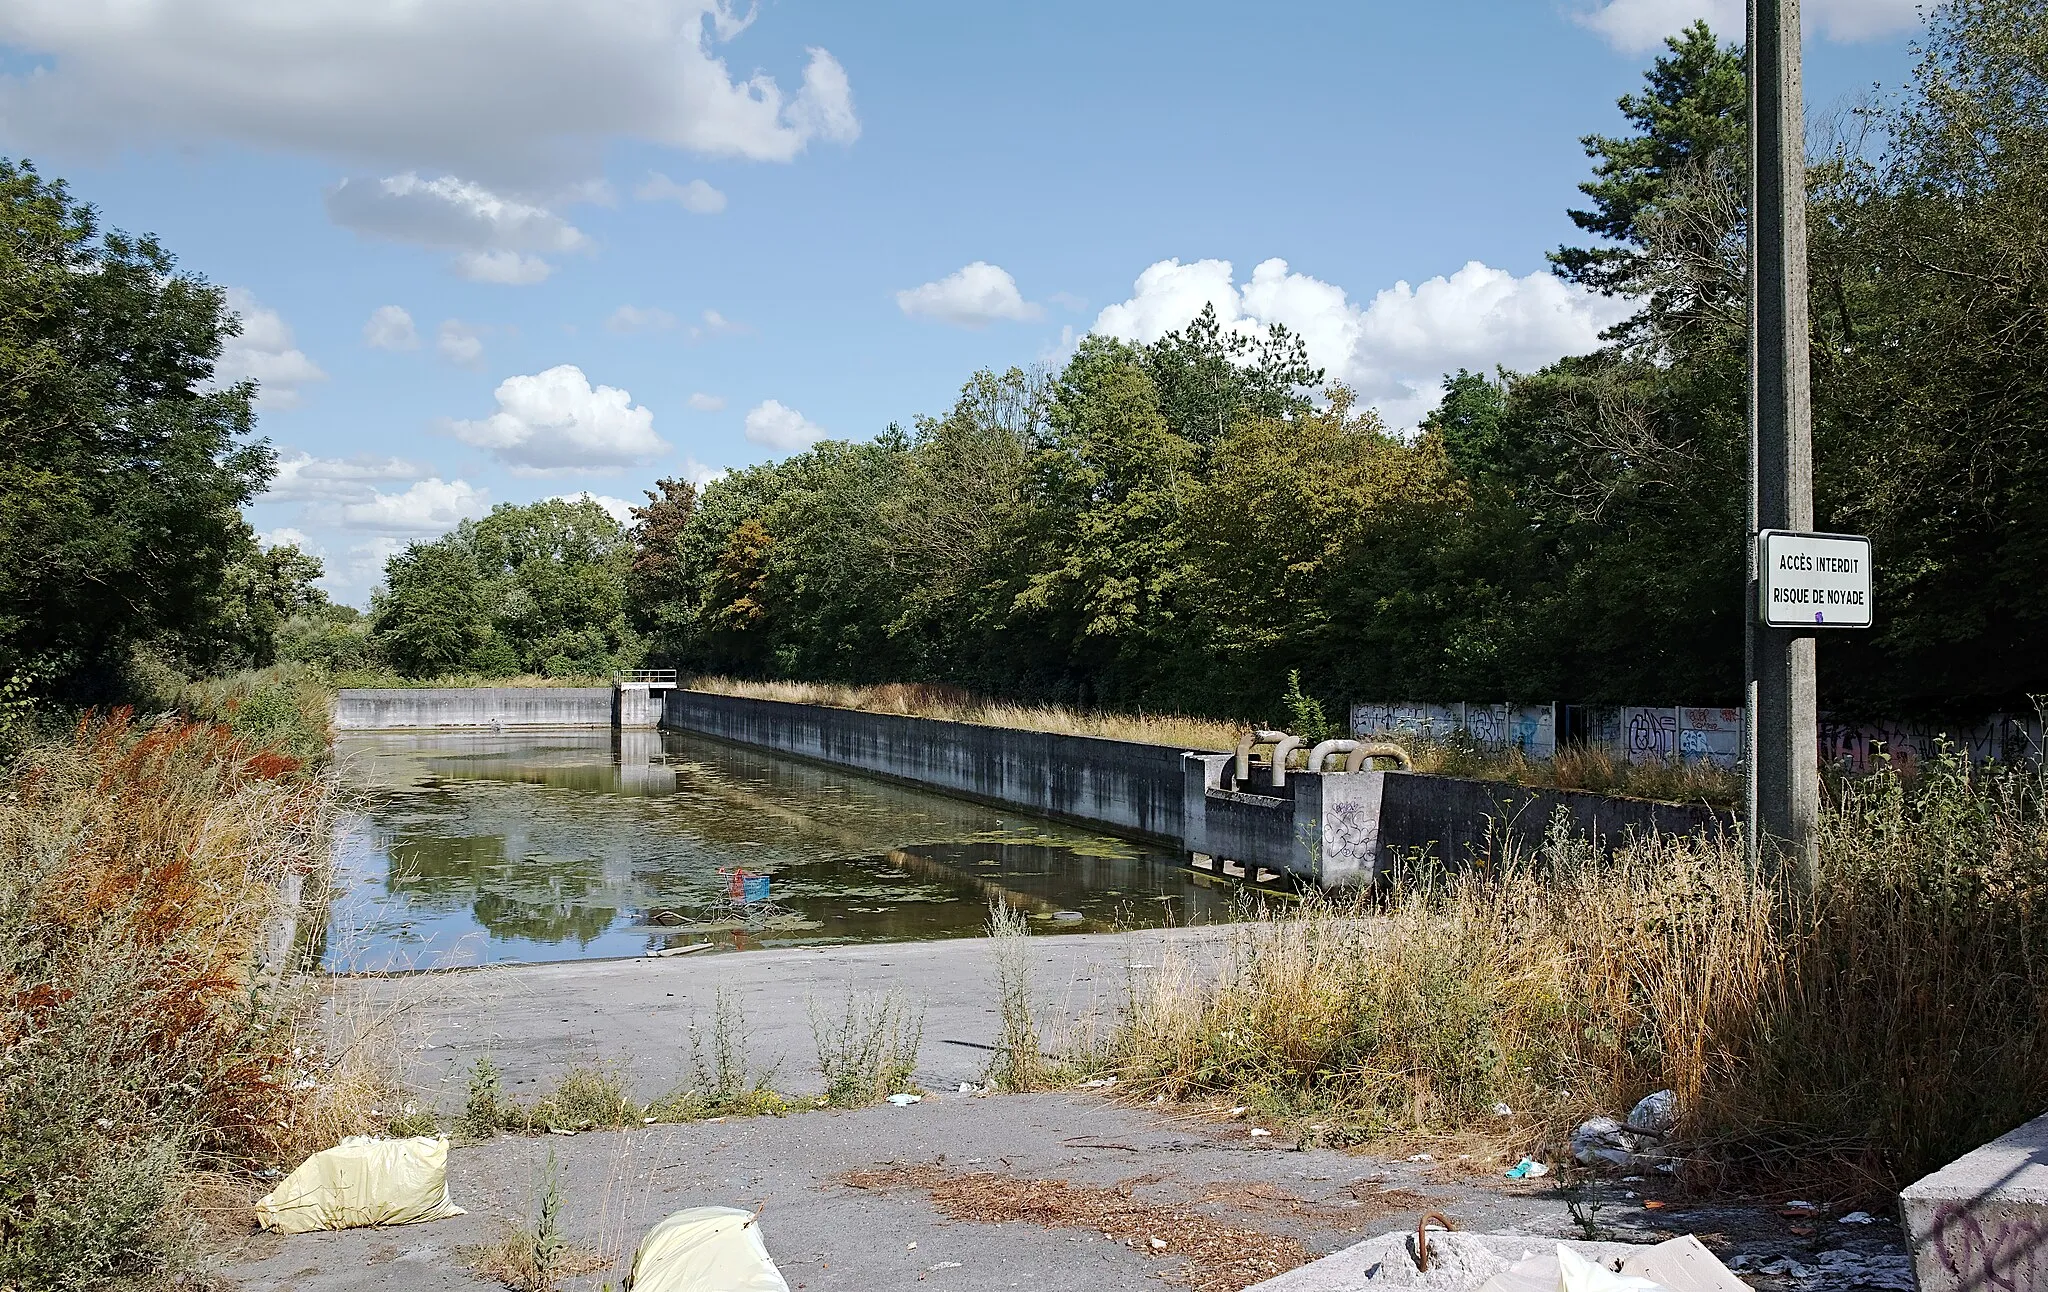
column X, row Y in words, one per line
column 398, row 708
column 1980, row 1224
column 1119, row 785
column 639, row 704
column 1350, row 829
column 636, row 1016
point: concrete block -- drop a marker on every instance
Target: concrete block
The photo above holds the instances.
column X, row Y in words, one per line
column 1980, row 1224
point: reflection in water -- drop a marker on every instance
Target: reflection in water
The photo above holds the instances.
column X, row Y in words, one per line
column 476, row 848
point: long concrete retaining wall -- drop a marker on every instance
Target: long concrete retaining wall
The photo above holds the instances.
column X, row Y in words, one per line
column 1125, row 787
column 400, row 708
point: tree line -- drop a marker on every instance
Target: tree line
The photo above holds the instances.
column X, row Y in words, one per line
column 1184, row 524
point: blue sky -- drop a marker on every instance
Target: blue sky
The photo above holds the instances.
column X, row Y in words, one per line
column 497, row 250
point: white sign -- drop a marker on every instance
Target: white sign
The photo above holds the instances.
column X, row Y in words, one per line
column 1813, row 580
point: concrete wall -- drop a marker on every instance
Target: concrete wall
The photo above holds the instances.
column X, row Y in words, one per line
column 1345, row 829
column 1980, row 1223
column 398, row 708
column 1124, row 787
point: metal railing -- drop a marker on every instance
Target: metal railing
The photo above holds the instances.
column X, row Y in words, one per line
column 658, row 676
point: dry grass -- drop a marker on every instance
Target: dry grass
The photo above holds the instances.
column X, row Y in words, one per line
column 928, row 700
column 1580, row 768
column 149, row 1029
column 1216, row 1257
column 1866, row 1032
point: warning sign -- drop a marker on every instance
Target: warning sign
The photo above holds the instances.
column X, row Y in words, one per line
column 1813, row 580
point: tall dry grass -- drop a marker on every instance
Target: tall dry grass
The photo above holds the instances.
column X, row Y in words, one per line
column 1577, row 767
column 931, row 700
column 1875, row 1028
column 150, row 1029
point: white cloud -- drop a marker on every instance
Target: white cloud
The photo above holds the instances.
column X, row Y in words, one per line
column 700, row 475
column 1395, row 350
column 556, row 421
column 459, row 343
column 1637, row 26
column 390, row 328
column 778, row 427
column 265, row 353
column 696, row 197
column 619, row 509
column 516, row 88
column 496, row 237
column 301, row 477
column 286, row 536
column 716, row 324
column 704, row 403
column 426, row 507
column 633, row 318
column 505, row 268
column 972, row 296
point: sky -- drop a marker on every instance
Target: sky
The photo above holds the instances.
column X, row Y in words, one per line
column 491, row 251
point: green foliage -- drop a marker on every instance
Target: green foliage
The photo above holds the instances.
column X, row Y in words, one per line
column 1180, row 525
column 535, row 589
column 1305, row 716
column 869, row 1052
column 123, row 473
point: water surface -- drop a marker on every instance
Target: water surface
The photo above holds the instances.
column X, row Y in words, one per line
column 562, row 845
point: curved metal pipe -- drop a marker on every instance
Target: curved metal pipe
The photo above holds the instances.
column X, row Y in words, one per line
column 1244, row 750
column 1281, row 752
column 1325, row 749
column 1378, row 749
column 1422, row 1238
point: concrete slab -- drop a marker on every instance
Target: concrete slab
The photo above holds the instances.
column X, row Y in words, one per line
column 1980, row 1224
column 535, row 1022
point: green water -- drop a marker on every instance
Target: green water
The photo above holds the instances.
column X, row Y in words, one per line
column 563, row 845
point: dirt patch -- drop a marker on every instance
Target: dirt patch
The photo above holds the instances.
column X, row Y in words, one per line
column 1216, row 1257
column 1371, row 1203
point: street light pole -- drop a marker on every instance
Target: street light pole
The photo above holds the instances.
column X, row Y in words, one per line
column 1783, row 721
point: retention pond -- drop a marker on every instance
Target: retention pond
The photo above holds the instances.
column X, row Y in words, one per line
column 468, row 849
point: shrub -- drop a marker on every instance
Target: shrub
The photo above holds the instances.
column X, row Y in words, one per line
column 147, row 1028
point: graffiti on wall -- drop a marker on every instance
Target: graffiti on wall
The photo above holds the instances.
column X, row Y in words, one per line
column 1646, row 733
column 2007, row 1253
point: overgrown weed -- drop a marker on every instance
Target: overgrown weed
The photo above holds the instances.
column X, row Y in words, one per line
column 870, row 1051
column 535, row 1258
column 149, row 1030
column 1873, row 1029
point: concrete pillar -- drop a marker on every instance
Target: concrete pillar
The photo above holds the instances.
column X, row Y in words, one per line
column 1784, row 766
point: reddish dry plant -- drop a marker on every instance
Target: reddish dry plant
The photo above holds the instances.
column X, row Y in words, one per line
column 143, row 870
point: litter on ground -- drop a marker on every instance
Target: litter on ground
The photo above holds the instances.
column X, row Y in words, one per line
column 706, row 1247
column 360, row 1182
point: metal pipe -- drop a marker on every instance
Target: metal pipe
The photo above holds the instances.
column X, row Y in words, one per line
column 1281, row 752
column 1422, row 1238
column 1244, row 750
column 1325, row 749
column 1378, row 749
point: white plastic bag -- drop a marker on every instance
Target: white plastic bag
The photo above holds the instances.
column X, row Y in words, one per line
column 1577, row 1274
column 705, row 1249
column 362, row 1181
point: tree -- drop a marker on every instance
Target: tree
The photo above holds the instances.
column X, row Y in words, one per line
column 539, row 589
column 1692, row 114
column 121, row 471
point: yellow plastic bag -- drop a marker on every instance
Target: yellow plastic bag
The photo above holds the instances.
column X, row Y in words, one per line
column 363, row 1181
column 702, row 1249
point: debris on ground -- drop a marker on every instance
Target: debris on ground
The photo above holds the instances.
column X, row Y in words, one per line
column 1843, row 1268
column 1634, row 1145
column 904, row 1100
column 360, row 1182
column 706, row 1247
column 1527, row 1169
column 1216, row 1257
column 1462, row 1262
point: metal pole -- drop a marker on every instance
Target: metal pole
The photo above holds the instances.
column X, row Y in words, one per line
column 1784, row 736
